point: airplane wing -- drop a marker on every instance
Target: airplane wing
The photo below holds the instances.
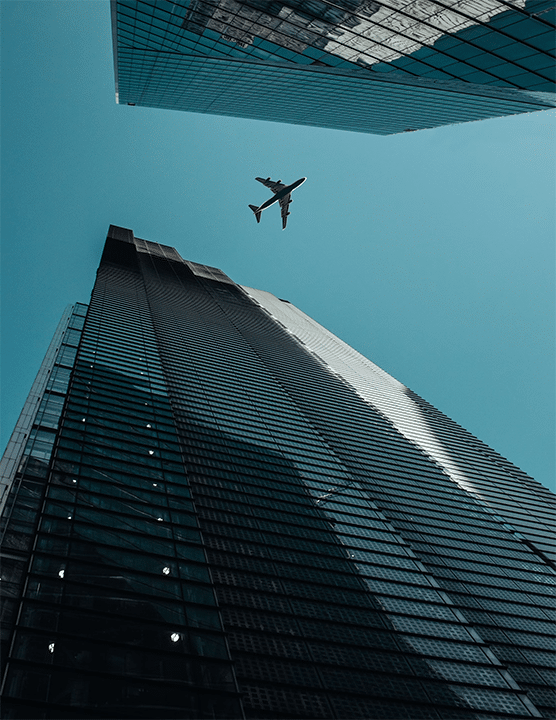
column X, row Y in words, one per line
column 284, row 205
column 274, row 186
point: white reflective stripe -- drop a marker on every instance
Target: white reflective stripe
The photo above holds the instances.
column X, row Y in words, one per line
column 371, row 383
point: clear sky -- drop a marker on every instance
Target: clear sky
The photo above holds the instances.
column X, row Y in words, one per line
column 431, row 252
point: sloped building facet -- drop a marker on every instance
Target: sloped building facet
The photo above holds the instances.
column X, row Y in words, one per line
column 215, row 508
column 378, row 67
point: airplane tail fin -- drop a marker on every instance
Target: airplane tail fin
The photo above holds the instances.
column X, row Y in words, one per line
column 257, row 212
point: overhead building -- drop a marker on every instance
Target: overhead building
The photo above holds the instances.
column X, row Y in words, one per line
column 215, row 508
column 362, row 65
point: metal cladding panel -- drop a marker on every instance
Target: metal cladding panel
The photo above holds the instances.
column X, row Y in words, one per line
column 360, row 66
column 231, row 529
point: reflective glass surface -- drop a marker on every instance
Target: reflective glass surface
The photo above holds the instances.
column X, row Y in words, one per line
column 224, row 527
column 355, row 64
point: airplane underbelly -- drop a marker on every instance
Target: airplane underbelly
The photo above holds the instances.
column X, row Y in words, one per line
column 269, row 202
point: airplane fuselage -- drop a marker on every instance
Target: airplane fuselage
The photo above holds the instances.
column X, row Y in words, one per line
column 279, row 195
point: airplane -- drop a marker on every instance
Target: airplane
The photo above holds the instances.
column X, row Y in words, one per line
column 282, row 194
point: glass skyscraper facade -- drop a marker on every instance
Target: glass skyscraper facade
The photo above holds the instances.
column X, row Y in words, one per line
column 215, row 508
column 363, row 65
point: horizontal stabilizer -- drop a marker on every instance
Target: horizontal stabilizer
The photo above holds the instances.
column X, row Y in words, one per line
column 257, row 212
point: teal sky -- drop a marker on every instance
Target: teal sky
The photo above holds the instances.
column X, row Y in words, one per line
column 432, row 252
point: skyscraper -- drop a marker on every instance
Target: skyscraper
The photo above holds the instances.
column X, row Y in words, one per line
column 378, row 67
column 214, row 508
